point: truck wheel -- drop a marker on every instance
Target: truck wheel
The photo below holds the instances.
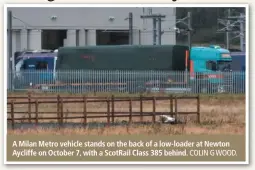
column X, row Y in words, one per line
column 141, row 89
column 204, row 90
column 137, row 89
column 195, row 89
column 220, row 89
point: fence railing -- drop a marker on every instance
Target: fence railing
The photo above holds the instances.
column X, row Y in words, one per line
column 81, row 81
column 32, row 110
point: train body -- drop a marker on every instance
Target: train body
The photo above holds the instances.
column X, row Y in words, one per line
column 238, row 61
column 239, row 65
column 164, row 67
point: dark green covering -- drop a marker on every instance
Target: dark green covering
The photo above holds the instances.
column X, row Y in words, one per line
column 124, row 57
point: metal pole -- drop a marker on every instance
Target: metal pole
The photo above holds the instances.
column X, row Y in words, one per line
column 189, row 30
column 189, row 41
column 154, row 19
column 10, row 57
column 139, row 37
column 154, row 31
column 227, row 33
column 131, row 28
column 159, row 31
column 242, row 36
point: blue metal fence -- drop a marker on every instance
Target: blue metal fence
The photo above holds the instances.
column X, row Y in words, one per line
column 81, row 81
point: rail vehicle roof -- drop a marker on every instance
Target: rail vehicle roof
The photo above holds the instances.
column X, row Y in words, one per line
column 38, row 55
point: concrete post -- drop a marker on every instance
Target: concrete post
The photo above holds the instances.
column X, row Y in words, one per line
column 82, row 37
column 24, row 39
column 35, row 39
column 92, row 37
column 71, row 38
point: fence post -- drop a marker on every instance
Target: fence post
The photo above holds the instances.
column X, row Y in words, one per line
column 112, row 108
column 154, row 110
column 141, row 108
column 130, row 111
column 36, row 112
column 58, row 107
column 85, row 110
column 171, row 105
column 29, row 107
column 198, row 108
column 62, row 110
column 108, row 112
column 176, row 111
column 12, row 114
